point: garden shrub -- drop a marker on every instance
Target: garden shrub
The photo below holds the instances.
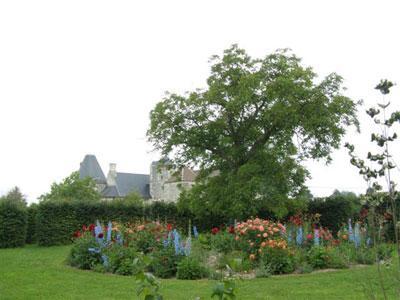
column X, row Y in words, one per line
column 164, row 263
column 121, row 260
column 278, row 261
column 321, row 257
column 191, row 269
column 80, row 256
column 223, row 242
column 13, row 223
column 236, row 260
column 337, row 259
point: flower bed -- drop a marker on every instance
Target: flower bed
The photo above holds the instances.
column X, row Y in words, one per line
column 254, row 248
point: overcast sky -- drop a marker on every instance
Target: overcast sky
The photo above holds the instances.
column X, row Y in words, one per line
column 80, row 77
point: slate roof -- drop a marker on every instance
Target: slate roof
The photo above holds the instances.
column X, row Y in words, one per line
column 110, row 192
column 128, row 183
column 90, row 168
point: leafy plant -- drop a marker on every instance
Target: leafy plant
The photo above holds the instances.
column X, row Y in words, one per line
column 190, row 268
column 148, row 285
column 121, row 259
column 164, row 262
column 224, row 290
column 278, row 261
column 80, row 256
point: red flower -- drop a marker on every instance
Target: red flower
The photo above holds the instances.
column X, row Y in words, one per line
column 296, row 220
column 77, row 234
column 100, row 235
column 309, row 236
column 169, row 227
column 91, row 227
column 231, row 229
column 215, row 230
column 84, row 228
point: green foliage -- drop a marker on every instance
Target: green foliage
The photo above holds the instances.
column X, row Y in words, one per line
column 241, row 131
column 145, row 241
column 13, row 222
column 15, row 195
column 278, row 261
column 224, row 290
column 148, row 285
column 262, row 272
column 121, row 260
column 80, row 256
column 223, row 242
column 335, row 209
column 305, row 268
column 31, row 229
column 73, row 188
column 237, row 260
column 321, row 257
column 164, row 263
column 56, row 223
column 191, row 269
column 318, row 257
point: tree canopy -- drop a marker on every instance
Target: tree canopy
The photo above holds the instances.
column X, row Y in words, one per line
column 14, row 195
column 73, row 188
column 253, row 124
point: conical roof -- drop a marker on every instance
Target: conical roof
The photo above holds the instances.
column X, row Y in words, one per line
column 90, row 167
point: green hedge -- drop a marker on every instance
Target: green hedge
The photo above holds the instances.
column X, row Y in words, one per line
column 336, row 210
column 57, row 221
column 13, row 223
column 31, row 230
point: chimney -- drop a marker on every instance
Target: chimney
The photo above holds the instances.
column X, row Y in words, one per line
column 112, row 175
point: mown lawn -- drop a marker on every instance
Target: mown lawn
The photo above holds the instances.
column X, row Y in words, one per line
column 41, row 273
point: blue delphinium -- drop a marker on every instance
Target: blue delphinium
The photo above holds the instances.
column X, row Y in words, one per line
column 357, row 237
column 195, row 232
column 299, row 236
column 177, row 242
column 351, row 233
column 102, row 241
column 98, row 230
column 105, row 260
column 289, row 235
column 316, row 237
column 119, row 239
column 109, row 231
column 188, row 246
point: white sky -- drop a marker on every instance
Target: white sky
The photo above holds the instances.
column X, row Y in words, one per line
column 80, row 77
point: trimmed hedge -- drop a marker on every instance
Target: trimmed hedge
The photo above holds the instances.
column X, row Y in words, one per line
column 57, row 221
column 335, row 210
column 13, row 223
column 31, row 230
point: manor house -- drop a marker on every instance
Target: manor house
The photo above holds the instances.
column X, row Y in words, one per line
column 161, row 185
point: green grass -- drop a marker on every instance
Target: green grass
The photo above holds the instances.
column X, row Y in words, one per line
column 41, row 273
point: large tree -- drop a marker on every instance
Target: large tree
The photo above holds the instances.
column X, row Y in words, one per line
column 253, row 124
column 73, row 188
